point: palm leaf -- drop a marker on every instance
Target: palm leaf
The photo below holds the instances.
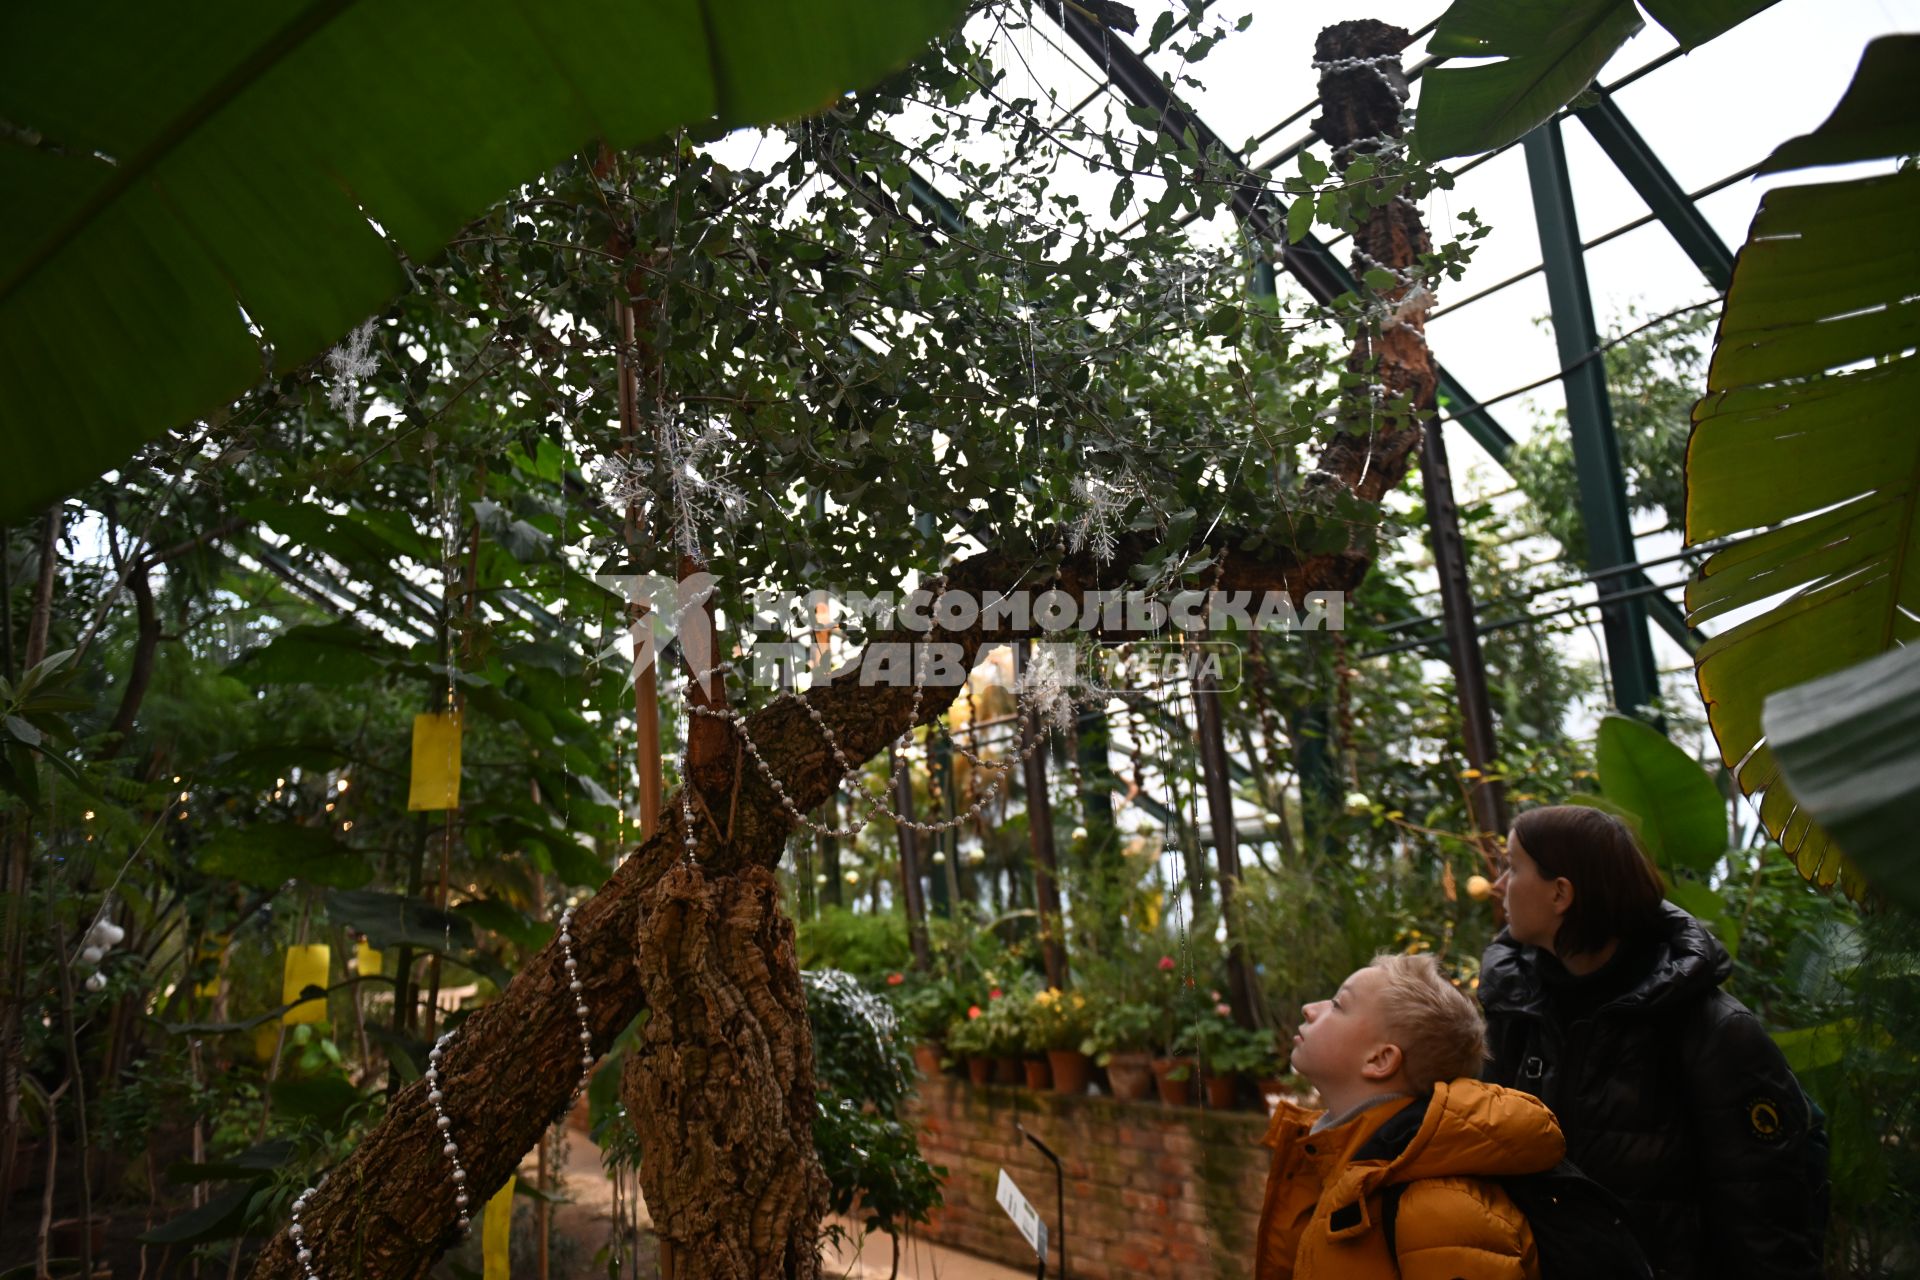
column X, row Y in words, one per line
column 1805, row 447
column 1549, row 54
column 167, row 168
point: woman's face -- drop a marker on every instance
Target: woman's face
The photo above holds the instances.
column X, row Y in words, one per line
column 1535, row 904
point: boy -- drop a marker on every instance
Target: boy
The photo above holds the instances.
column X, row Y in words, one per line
column 1398, row 1041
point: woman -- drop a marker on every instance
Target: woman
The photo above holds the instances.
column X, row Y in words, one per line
column 1604, row 1001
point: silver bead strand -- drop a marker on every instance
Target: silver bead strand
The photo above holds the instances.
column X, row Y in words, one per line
column 294, row 1233
column 577, row 990
column 442, row 1122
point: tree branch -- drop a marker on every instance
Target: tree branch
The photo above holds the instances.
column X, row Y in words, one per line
column 388, row 1211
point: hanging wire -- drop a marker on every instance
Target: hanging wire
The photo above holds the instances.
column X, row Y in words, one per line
column 1596, row 242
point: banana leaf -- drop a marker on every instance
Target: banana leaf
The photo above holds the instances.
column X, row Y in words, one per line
column 202, row 195
column 1804, row 448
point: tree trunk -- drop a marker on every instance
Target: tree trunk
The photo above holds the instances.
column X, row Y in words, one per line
column 721, row 1088
column 1374, row 447
column 725, row 1069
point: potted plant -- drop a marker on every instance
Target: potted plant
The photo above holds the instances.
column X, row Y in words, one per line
column 926, row 1005
column 1181, row 1013
column 1006, row 1037
column 1230, row 1054
column 1033, row 1040
column 969, row 1041
column 1062, row 1022
column 1121, row 1040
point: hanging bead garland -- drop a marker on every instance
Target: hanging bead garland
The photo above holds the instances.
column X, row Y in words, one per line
column 294, row 1233
column 444, row 1123
column 578, row 990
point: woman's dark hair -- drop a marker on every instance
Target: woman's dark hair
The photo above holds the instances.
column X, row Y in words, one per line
column 1616, row 889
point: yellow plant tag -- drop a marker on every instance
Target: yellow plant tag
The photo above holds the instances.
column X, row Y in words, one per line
column 495, row 1230
column 306, row 967
column 367, row 959
column 265, row 1036
column 436, row 762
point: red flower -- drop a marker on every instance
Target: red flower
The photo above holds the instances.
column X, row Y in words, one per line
column 895, row 979
column 1224, row 1010
column 1166, row 964
column 994, row 994
column 973, row 1011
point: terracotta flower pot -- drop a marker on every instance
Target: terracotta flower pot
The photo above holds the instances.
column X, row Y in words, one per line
column 1131, row 1075
column 1071, row 1069
column 980, row 1069
column 1039, row 1075
column 1007, row 1071
column 926, row 1056
column 1175, row 1093
column 1221, row 1092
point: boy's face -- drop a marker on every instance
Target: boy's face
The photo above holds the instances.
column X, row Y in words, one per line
column 1342, row 1037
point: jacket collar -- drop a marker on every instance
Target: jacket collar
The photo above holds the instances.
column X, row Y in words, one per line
column 1687, row 961
column 1463, row 1128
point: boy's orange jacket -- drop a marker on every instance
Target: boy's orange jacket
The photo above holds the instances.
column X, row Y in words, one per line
column 1321, row 1219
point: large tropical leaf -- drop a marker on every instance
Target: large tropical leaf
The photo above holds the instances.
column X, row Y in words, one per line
column 1849, row 746
column 1805, row 447
column 1549, row 54
column 166, row 167
column 1680, row 814
column 270, row 854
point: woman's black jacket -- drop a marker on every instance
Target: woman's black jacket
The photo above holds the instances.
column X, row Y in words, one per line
column 1671, row 1096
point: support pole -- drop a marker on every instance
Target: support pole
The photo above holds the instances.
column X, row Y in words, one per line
column 912, row 891
column 1487, row 797
column 1596, row 451
column 1666, row 198
column 1242, row 994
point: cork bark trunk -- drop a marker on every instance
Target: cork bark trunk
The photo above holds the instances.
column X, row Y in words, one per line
column 1361, row 104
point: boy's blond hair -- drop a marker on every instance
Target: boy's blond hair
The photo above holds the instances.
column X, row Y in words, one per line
column 1437, row 1026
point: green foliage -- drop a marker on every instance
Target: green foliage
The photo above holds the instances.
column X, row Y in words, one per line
column 1121, row 1026
column 1653, row 371
column 1671, row 802
column 1548, row 55
column 862, row 1074
column 1849, row 746
column 925, row 1004
column 1226, row 1049
column 1859, row 1062
column 251, row 167
column 1815, row 341
column 870, row 946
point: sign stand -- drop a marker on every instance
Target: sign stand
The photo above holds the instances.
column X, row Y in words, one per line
column 1060, row 1196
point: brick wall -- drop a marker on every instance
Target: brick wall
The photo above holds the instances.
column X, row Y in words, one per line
column 1153, row 1192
